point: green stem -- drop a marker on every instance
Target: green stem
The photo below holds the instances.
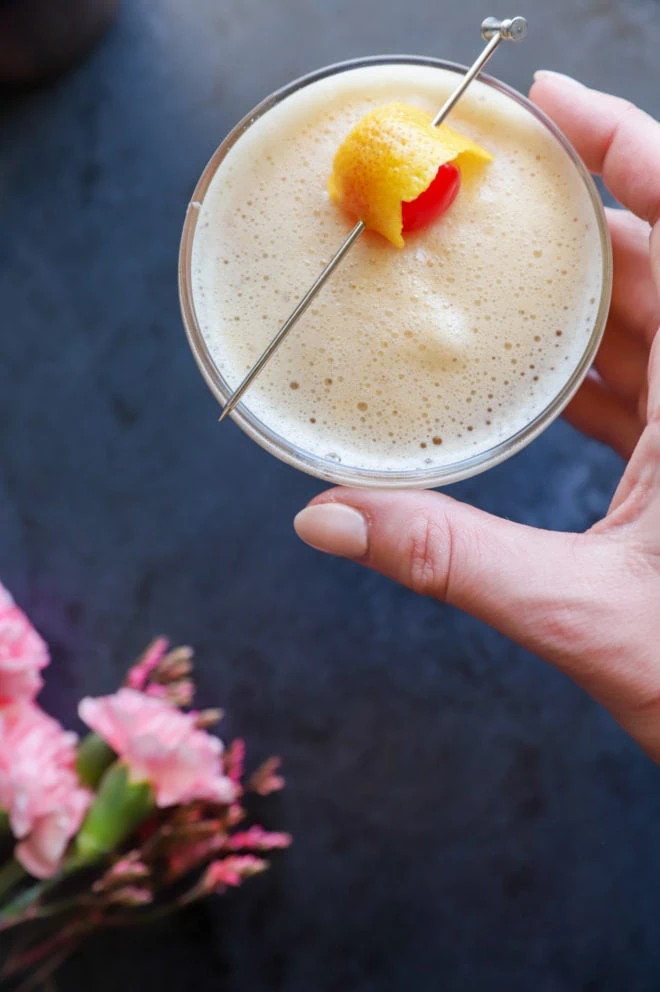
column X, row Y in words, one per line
column 32, row 912
column 47, row 970
column 140, row 919
column 21, row 909
column 20, row 903
column 61, row 943
column 10, row 875
column 159, row 912
column 19, row 946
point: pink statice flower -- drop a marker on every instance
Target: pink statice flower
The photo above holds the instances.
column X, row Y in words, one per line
column 146, row 665
column 258, row 839
column 184, row 857
column 266, row 778
column 127, row 870
column 234, row 760
column 161, row 746
column 39, row 787
column 179, row 693
column 131, row 897
column 23, row 653
column 192, row 852
column 231, row 871
column 163, row 674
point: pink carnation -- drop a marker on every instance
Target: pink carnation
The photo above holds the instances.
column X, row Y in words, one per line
column 22, row 653
column 39, row 787
column 161, row 746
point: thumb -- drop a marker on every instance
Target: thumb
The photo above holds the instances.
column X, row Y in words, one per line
column 548, row 591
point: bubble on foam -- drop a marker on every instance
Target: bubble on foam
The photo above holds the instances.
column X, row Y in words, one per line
column 408, row 358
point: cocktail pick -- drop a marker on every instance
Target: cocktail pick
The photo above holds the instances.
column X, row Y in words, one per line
column 493, row 31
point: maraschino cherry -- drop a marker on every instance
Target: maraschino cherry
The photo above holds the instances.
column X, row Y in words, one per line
column 434, row 201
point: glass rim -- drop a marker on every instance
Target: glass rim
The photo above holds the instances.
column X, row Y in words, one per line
column 336, row 472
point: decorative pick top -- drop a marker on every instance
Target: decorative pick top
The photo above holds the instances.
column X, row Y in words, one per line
column 396, row 172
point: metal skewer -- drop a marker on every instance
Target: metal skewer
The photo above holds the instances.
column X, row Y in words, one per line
column 493, row 31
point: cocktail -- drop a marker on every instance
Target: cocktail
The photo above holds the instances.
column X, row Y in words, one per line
column 415, row 365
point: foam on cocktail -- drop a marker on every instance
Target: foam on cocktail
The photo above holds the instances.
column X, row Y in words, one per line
column 413, row 357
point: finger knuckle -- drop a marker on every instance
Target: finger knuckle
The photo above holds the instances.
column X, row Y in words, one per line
column 429, row 555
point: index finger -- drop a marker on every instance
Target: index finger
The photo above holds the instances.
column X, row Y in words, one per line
column 615, row 139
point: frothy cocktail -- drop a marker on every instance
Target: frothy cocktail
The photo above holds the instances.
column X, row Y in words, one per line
column 415, row 365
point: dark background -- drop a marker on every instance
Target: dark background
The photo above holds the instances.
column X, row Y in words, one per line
column 465, row 818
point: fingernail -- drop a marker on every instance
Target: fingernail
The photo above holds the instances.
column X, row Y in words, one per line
column 334, row 528
column 551, row 74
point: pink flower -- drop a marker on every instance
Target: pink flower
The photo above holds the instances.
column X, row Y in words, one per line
column 161, row 746
column 185, row 857
column 235, row 760
column 22, row 653
column 266, row 780
column 39, row 787
column 231, row 871
column 132, row 896
column 258, row 839
column 146, row 665
column 126, row 871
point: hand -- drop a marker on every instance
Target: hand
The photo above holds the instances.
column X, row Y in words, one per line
column 589, row 603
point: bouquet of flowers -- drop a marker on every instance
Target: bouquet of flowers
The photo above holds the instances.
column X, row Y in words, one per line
column 141, row 817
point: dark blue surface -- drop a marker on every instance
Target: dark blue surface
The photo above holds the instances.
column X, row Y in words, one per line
column 465, row 818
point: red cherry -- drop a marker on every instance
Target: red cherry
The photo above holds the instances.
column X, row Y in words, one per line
column 435, row 199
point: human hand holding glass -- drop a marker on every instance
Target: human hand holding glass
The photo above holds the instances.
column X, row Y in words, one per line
column 589, row 603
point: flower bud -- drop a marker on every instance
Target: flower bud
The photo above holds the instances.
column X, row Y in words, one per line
column 206, row 719
column 93, row 759
column 230, row 871
column 126, row 871
column 175, row 665
column 183, row 858
column 119, row 808
column 234, row 760
column 132, row 896
column 143, row 669
column 266, row 780
column 181, row 693
column 258, row 839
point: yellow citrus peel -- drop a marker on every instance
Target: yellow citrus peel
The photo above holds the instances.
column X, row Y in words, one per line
column 391, row 156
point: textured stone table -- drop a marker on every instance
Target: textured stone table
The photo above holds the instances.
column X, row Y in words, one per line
column 465, row 818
